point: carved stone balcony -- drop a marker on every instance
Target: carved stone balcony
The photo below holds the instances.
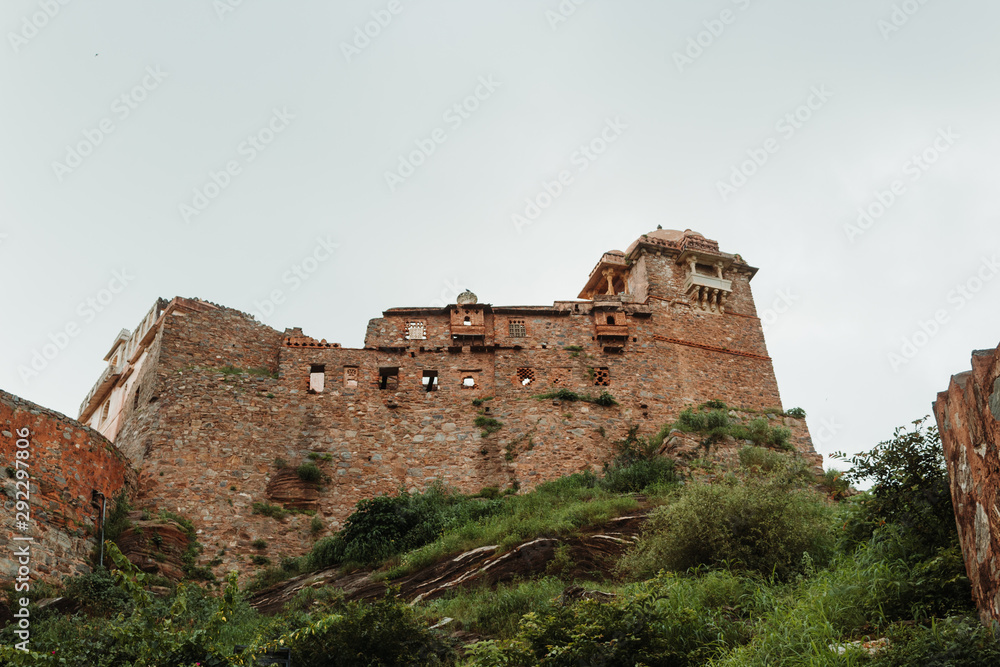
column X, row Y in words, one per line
column 100, row 389
column 467, row 330
column 612, row 330
column 708, row 292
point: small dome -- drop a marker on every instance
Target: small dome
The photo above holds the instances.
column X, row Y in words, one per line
column 617, row 253
column 467, row 298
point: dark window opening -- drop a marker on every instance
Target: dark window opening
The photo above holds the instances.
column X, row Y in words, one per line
column 602, row 378
column 467, row 321
column 430, row 380
column 611, row 319
column 135, row 400
column 388, row 378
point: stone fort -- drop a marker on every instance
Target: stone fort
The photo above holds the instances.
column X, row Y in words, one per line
column 204, row 411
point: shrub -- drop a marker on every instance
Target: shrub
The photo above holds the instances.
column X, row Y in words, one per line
column 273, row 511
column 953, row 642
column 257, row 559
column 97, row 593
column 117, row 521
column 488, row 424
column 383, row 526
column 605, row 399
column 666, row 621
column 280, row 463
column 909, row 489
column 759, row 525
column 386, row 632
column 315, row 525
column 636, row 466
column 797, row 413
column 309, row 473
column 259, row 543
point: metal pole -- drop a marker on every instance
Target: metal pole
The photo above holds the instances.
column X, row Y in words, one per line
column 104, row 507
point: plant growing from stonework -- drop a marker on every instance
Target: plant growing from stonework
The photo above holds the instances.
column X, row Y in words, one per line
column 488, row 424
column 309, row 473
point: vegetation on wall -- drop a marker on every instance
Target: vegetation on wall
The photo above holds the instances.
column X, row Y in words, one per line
column 757, row 568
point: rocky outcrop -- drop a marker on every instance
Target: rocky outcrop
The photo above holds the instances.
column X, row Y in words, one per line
column 286, row 489
column 968, row 417
column 155, row 546
column 483, row 566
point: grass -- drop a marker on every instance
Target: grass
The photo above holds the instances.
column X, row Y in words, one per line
column 559, row 508
column 274, row 511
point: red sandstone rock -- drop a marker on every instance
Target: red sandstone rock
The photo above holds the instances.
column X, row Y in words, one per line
column 968, row 417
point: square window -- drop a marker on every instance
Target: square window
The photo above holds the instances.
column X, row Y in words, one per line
column 516, row 328
column 350, row 376
column 469, row 382
column 416, row 330
column 602, row 378
column 388, row 378
column 525, row 376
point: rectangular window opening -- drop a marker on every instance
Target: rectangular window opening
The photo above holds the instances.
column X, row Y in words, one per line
column 602, row 378
column 317, row 376
column 388, row 378
column 516, row 328
column 525, row 376
column 350, row 376
column 430, row 380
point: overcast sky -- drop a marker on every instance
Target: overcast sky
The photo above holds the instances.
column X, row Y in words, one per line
column 361, row 155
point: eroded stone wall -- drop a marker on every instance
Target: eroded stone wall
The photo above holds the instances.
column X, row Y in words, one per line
column 968, row 417
column 66, row 463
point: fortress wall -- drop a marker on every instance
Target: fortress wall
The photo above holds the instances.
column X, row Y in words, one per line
column 67, row 462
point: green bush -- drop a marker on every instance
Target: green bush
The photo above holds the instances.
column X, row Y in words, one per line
column 636, row 466
column 665, row 621
column 97, row 593
column 383, row 526
column 909, row 489
column 361, row 634
column 488, row 424
column 953, row 642
column 797, row 413
column 309, row 473
column 267, row 509
column 761, row 525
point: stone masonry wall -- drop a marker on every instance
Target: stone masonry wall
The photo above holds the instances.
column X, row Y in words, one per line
column 211, row 439
column 968, row 417
column 67, row 462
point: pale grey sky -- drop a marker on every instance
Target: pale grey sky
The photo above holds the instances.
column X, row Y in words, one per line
column 115, row 116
